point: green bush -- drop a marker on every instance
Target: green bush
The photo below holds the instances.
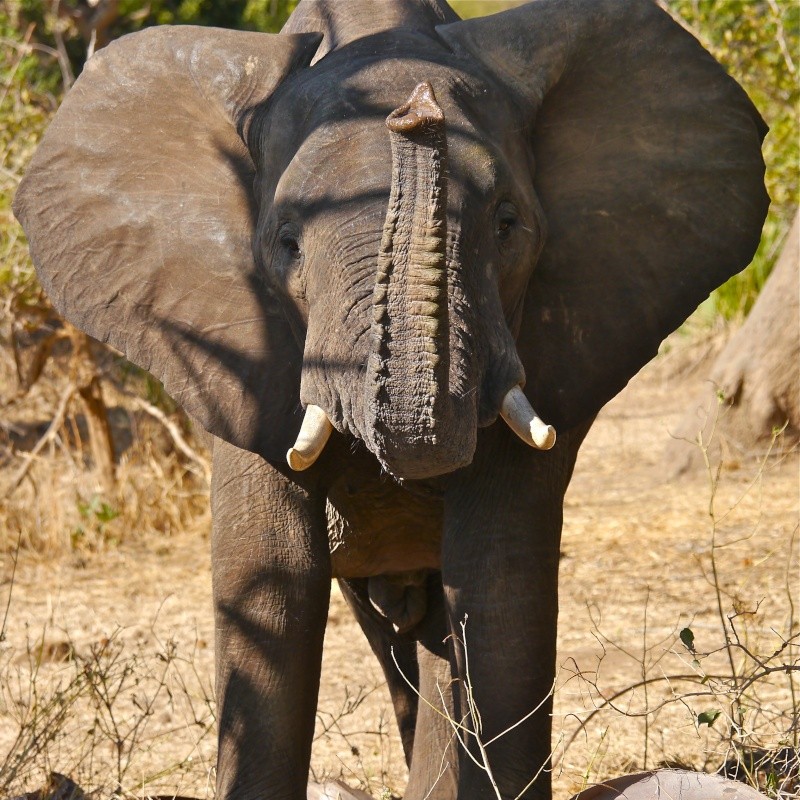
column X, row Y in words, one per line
column 30, row 87
column 758, row 41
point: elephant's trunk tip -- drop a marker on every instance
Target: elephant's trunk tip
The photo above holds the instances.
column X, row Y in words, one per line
column 420, row 110
column 525, row 422
column 314, row 434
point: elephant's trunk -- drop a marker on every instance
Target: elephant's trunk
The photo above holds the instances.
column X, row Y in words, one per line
column 413, row 426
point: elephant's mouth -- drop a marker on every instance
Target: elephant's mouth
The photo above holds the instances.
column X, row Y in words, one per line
column 516, row 411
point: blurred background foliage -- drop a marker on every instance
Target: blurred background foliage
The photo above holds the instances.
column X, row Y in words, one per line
column 43, row 46
column 758, row 41
column 44, row 43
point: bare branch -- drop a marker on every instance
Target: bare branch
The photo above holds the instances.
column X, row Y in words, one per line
column 48, row 435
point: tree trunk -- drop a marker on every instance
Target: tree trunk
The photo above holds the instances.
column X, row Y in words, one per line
column 753, row 389
column 87, row 379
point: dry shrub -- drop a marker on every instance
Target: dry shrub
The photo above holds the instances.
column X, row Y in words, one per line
column 120, row 717
column 61, row 505
column 708, row 677
column 54, row 500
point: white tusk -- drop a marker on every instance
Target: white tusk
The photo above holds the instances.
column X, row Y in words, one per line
column 314, row 434
column 525, row 422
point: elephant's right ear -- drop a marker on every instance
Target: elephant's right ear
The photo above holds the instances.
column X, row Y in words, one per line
column 649, row 171
column 139, row 210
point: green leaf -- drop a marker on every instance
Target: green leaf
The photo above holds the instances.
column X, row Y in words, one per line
column 772, row 782
column 105, row 513
column 77, row 537
column 708, row 717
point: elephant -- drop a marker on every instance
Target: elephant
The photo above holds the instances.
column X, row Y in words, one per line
column 353, row 251
column 671, row 783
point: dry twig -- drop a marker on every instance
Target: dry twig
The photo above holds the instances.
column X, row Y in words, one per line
column 52, row 430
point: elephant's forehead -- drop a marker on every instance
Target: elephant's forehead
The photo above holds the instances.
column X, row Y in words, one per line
column 348, row 157
column 341, row 105
column 371, row 85
column 346, row 161
column 338, row 163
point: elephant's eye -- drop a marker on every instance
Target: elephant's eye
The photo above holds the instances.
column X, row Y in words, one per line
column 504, row 227
column 505, row 221
column 291, row 244
column 288, row 238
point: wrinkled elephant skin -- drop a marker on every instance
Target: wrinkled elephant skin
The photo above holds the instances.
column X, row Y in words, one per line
column 369, row 242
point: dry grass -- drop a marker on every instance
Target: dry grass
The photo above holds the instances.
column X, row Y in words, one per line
column 118, row 708
column 640, row 559
column 106, row 662
column 62, row 504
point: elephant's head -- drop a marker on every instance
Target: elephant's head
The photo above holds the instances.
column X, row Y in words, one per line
column 401, row 239
column 401, row 233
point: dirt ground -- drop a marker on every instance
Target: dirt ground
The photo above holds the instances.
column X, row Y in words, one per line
column 114, row 649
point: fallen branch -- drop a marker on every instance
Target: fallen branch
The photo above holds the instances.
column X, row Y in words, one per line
column 52, row 430
column 177, row 437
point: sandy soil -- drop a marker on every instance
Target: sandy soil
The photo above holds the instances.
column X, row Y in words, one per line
column 635, row 570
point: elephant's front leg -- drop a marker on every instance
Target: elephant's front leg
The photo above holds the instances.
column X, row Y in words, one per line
column 500, row 571
column 271, row 591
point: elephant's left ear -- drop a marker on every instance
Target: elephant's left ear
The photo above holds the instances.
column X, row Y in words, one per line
column 139, row 208
column 650, row 174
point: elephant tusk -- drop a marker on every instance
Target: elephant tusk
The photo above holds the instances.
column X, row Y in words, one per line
column 314, row 434
column 525, row 422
